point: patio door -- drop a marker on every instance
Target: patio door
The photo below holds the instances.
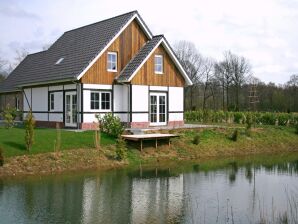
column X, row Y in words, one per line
column 158, row 109
column 71, row 109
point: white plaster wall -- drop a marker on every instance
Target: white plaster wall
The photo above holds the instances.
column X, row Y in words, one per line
column 53, row 88
column 89, row 118
column 41, row 116
column 176, row 99
column 28, row 95
column 124, row 117
column 139, row 98
column 121, row 98
column 70, row 86
column 96, row 86
column 159, row 88
column 40, row 99
column 175, row 116
column 141, row 117
column 56, row 117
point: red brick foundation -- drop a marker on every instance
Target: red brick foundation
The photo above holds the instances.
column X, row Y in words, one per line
column 89, row 126
column 175, row 123
column 139, row 124
column 93, row 126
column 48, row 124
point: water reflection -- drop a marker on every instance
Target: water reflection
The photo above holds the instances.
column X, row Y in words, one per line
column 234, row 193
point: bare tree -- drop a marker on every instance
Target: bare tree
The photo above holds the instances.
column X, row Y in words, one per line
column 3, row 70
column 20, row 56
column 208, row 75
column 233, row 71
column 192, row 62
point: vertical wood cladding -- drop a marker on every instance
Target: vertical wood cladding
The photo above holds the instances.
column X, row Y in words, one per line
column 170, row 77
column 126, row 45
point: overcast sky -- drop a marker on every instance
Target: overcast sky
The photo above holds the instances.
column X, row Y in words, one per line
column 263, row 31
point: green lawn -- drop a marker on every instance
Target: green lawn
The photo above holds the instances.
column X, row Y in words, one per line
column 12, row 141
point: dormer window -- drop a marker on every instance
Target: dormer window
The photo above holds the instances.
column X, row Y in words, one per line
column 158, row 64
column 59, row 61
column 112, row 62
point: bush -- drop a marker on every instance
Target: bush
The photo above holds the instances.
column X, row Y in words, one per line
column 265, row 118
column 283, row 119
column 296, row 128
column 110, row 124
column 196, row 139
column 29, row 130
column 1, row 157
column 9, row 115
column 249, row 122
column 238, row 117
column 234, row 136
column 121, row 151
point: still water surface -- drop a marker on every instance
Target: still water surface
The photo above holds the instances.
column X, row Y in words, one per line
column 225, row 191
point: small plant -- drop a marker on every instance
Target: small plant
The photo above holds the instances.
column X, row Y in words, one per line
column 1, row 157
column 110, row 124
column 9, row 115
column 234, row 136
column 249, row 123
column 57, row 145
column 196, row 140
column 121, row 150
column 29, row 130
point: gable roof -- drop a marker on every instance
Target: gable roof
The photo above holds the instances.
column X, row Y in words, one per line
column 131, row 69
column 79, row 48
column 140, row 58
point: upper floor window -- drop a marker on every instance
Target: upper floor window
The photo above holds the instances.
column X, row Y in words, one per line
column 158, row 64
column 112, row 61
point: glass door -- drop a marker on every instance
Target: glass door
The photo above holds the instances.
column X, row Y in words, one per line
column 158, row 109
column 70, row 109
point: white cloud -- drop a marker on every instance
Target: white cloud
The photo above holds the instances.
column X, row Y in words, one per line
column 263, row 31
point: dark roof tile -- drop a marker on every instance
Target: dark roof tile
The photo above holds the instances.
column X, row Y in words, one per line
column 78, row 47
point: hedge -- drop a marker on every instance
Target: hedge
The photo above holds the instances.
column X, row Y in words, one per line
column 265, row 118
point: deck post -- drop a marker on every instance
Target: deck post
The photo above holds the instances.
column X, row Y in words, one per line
column 141, row 145
column 169, row 142
column 155, row 143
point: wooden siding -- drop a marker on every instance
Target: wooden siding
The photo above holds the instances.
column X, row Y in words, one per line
column 170, row 77
column 126, row 45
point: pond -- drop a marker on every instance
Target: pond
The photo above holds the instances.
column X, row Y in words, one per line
column 246, row 190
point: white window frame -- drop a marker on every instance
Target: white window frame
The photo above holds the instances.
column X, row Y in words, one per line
column 111, row 62
column 100, row 101
column 52, row 108
column 155, row 64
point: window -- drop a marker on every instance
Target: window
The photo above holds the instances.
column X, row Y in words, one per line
column 59, row 61
column 100, row 101
column 158, row 64
column 112, row 61
column 52, row 101
column 17, row 103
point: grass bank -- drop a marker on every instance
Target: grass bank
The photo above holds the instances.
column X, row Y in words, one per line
column 216, row 142
column 78, row 151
